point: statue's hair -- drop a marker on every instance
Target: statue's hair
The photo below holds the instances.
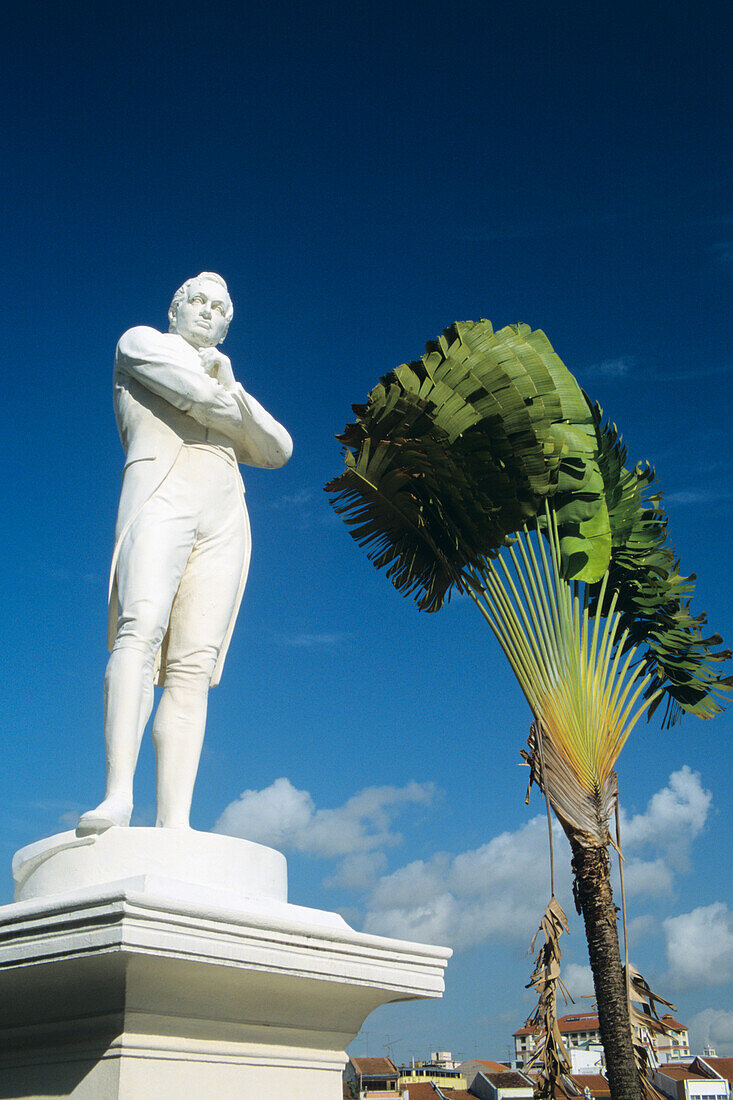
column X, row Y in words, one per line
column 180, row 294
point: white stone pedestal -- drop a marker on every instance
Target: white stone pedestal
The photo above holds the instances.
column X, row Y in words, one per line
column 152, row 963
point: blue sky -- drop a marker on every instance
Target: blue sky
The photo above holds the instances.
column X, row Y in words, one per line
column 363, row 176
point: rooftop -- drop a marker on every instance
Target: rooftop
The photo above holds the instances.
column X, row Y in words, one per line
column 508, row 1079
column 375, row 1067
column 672, row 1024
column 487, row 1064
column 723, row 1066
column 573, row 1085
column 587, row 1021
column 596, row 1082
column 679, row 1072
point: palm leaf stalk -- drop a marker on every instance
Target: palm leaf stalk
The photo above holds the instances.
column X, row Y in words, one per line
column 575, row 673
column 483, row 468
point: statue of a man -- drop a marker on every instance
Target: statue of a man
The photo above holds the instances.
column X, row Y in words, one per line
column 182, row 542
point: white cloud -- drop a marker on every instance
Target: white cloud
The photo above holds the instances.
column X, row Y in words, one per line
column 271, row 816
column 699, row 496
column 70, row 819
column 499, row 890
column 287, row 818
column 579, row 980
column 640, row 927
column 713, row 1027
column 611, row 368
column 673, row 818
column 291, row 500
column 688, row 496
column 496, row 891
column 357, row 871
column 699, row 946
column 653, row 877
column 324, row 640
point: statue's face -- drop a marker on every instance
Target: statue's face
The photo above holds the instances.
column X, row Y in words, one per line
column 202, row 316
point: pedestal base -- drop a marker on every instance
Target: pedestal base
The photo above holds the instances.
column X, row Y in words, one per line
column 151, row 987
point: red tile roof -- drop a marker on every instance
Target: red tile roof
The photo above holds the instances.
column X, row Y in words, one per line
column 495, row 1067
column 588, row 1021
column 668, row 1023
column 672, row 1024
column 596, row 1082
column 375, row 1067
column 570, row 1086
column 723, row 1066
column 679, row 1072
column 568, row 1024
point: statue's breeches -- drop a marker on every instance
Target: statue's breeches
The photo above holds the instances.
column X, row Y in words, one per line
column 180, row 566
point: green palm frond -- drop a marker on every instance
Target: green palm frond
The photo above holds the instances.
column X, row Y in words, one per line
column 653, row 597
column 455, row 451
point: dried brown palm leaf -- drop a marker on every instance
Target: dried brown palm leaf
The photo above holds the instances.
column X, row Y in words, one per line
column 644, row 1016
column 551, row 1056
column 583, row 814
column 642, row 993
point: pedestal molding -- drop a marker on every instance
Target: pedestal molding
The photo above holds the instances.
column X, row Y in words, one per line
column 151, row 986
column 123, row 919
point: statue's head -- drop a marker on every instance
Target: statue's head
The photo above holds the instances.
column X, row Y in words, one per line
column 201, row 310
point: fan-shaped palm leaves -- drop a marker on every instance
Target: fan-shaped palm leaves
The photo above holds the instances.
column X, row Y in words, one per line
column 652, row 595
column 483, row 466
column 455, row 451
column 575, row 672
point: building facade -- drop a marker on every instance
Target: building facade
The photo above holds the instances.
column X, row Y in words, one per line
column 668, row 1042
column 366, row 1076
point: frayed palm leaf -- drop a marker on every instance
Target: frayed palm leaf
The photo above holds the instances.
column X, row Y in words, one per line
column 643, row 1010
column 550, row 1055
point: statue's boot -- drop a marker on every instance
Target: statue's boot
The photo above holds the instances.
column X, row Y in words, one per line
column 115, row 810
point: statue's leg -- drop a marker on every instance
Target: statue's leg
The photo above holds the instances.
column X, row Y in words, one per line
column 201, row 614
column 178, row 736
column 151, row 563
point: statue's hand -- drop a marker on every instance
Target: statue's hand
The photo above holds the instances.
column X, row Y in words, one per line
column 219, row 366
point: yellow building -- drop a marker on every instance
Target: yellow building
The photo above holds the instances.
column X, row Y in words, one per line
column 441, row 1070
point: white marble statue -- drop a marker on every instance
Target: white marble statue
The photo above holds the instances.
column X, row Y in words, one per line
column 182, row 542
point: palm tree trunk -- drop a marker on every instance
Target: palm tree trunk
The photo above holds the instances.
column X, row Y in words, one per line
column 594, row 899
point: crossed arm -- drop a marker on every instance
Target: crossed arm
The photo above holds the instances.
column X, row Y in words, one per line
column 165, row 364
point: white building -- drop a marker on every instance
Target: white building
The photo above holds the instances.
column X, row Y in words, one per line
column 581, row 1032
